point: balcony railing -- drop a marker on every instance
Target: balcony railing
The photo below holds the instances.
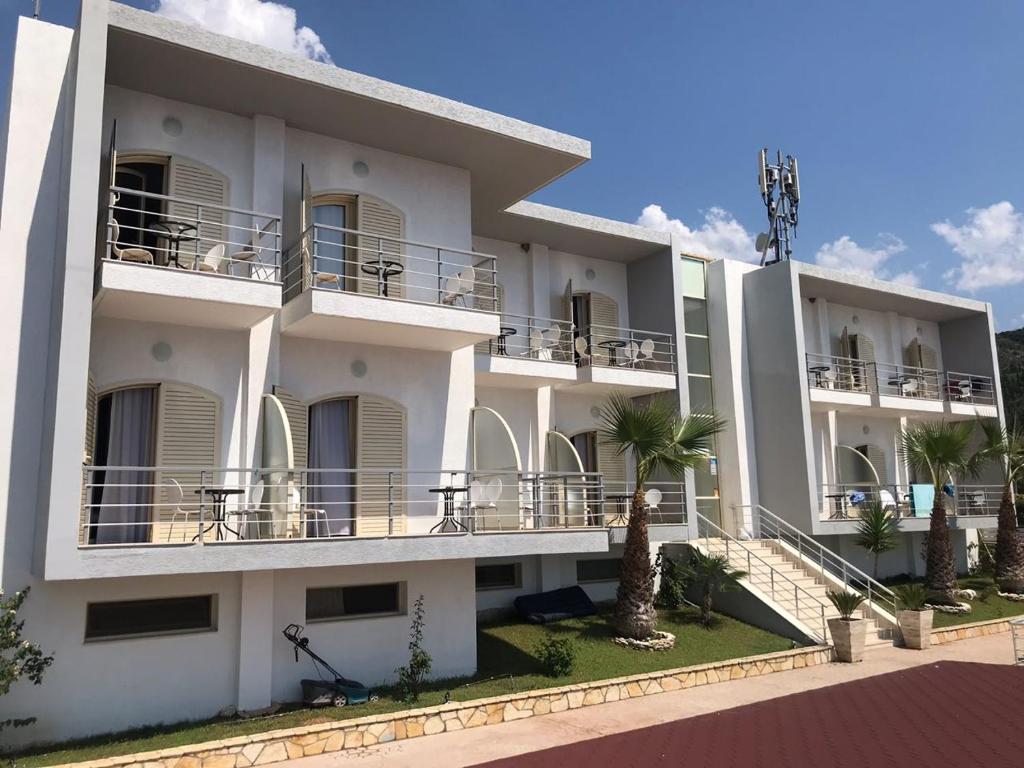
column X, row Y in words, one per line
column 353, row 261
column 204, row 505
column 533, row 338
column 850, row 375
column 666, row 502
column 849, row 501
column 608, row 347
column 182, row 234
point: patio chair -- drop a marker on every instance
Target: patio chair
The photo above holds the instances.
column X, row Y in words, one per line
column 887, row 501
column 582, row 350
column 253, row 522
column 133, row 254
column 632, row 352
column 646, row 351
column 253, row 255
column 175, row 498
column 212, row 260
column 457, row 287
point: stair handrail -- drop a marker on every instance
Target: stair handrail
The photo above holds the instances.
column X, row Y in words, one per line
column 839, row 567
column 797, row 589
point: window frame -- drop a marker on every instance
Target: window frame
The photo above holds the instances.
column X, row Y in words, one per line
column 598, row 560
column 517, row 576
column 401, row 598
column 213, row 625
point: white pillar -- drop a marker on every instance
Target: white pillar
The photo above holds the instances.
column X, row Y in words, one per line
column 256, row 640
column 545, row 417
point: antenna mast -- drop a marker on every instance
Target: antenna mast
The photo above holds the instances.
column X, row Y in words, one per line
column 780, row 191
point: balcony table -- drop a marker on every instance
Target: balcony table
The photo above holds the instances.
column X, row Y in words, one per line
column 620, row 499
column 449, row 519
column 503, row 333
column 177, row 232
column 839, row 508
column 613, row 346
column 900, row 382
column 383, row 269
column 819, row 371
column 219, row 496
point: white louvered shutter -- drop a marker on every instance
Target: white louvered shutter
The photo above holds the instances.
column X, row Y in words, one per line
column 604, row 322
column 876, row 456
column 206, row 191
column 188, row 435
column 865, row 353
column 930, row 374
column 380, row 445
column 612, row 467
column 88, row 455
column 384, row 225
column 298, row 422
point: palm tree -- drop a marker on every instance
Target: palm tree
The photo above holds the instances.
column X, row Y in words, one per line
column 662, row 441
column 939, row 450
column 712, row 573
column 877, row 532
column 1006, row 449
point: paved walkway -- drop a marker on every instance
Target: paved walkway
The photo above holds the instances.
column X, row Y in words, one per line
column 477, row 745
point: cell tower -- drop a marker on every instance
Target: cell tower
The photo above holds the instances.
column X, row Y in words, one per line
column 780, row 190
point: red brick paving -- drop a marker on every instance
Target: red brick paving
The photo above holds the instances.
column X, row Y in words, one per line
column 944, row 714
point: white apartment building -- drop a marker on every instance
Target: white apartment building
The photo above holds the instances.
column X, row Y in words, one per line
column 288, row 344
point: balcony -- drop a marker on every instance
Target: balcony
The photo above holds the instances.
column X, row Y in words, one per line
column 174, row 260
column 357, row 286
column 528, row 352
column 610, row 359
column 137, row 520
column 844, row 383
column 911, row 505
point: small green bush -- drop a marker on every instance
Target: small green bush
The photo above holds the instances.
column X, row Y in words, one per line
column 676, row 578
column 911, row 597
column 846, row 603
column 557, row 656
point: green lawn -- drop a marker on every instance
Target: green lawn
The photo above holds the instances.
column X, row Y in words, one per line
column 503, row 649
column 995, row 607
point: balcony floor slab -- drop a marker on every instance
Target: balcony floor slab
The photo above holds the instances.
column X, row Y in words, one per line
column 598, row 380
column 522, row 372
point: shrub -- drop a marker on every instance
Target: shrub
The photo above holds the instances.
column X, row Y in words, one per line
column 412, row 677
column 911, row 597
column 557, row 656
column 25, row 659
column 845, row 602
column 675, row 581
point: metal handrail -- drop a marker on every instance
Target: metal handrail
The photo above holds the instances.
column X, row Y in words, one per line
column 768, row 525
column 774, row 573
column 968, row 500
column 531, row 337
column 662, row 356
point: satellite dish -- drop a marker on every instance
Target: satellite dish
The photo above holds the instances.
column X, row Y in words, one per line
column 761, row 244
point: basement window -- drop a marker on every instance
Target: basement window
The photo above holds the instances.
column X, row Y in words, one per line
column 498, row 576
column 355, row 602
column 604, row 569
column 147, row 618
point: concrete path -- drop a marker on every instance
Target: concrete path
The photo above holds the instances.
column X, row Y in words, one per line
column 477, row 745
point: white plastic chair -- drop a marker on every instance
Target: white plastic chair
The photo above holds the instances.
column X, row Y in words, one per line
column 175, row 498
column 646, row 351
column 254, row 520
column 911, row 387
column 536, row 343
column 212, row 260
column 137, row 255
column 582, row 351
column 632, row 351
column 887, row 500
column 652, row 498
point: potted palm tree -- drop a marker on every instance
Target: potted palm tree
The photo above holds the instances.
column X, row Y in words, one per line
column 660, row 440
column 940, row 451
column 876, row 532
column 848, row 632
column 915, row 617
column 1006, row 449
column 711, row 574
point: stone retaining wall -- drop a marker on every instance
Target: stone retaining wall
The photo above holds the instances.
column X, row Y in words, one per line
column 969, row 630
column 274, row 746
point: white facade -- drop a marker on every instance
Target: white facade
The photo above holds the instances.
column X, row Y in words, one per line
column 508, row 325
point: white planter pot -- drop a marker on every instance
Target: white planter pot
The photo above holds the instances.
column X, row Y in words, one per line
column 848, row 638
column 916, row 627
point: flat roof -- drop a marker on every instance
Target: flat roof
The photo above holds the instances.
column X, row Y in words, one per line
column 508, row 159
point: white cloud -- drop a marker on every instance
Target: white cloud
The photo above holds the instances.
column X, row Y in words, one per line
column 990, row 246
column 847, row 255
column 720, row 236
column 255, row 21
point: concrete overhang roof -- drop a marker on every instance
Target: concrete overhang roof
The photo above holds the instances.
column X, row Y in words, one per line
column 507, row 158
column 572, row 232
column 856, row 290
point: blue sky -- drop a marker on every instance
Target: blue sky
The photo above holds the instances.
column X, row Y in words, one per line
column 906, row 117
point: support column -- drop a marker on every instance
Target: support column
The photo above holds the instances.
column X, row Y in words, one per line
column 256, row 640
column 545, row 417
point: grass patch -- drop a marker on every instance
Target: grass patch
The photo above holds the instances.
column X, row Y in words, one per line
column 995, row 607
column 502, row 648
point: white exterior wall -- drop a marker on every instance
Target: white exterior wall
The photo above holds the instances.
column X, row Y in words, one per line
column 609, row 279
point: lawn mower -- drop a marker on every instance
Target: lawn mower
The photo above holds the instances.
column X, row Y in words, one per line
column 336, row 692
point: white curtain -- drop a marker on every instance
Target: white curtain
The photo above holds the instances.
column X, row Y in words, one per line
column 330, row 448
column 126, row 498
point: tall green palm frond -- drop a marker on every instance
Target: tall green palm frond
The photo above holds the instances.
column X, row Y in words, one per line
column 1002, row 447
column 939, row 448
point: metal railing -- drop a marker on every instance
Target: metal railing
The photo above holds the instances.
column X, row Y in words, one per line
column 891, row 379
column 197, row 505
column 533, row 338
column 846, row 501
column 609, row 347
column 781, row 589
column 353, row 261
column 766, row 524
column 669, row 509
column 178, row 233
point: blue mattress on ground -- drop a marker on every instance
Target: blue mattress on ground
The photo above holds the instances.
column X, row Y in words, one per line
column 558, row 604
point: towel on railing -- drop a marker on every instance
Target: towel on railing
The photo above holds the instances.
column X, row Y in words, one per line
column 857, row 497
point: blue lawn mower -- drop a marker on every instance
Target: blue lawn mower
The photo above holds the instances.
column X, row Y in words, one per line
column 335, row 692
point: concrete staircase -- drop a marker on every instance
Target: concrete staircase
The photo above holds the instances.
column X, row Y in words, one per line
column 794, row 591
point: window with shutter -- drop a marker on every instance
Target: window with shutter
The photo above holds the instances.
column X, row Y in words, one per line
column 298, row 422
column 380, row 445
column 612, row 466
column 863, row 350
column 876, row 456
column 384, row 225
column 188, row 435
column 604, row 323
column 206, row 193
